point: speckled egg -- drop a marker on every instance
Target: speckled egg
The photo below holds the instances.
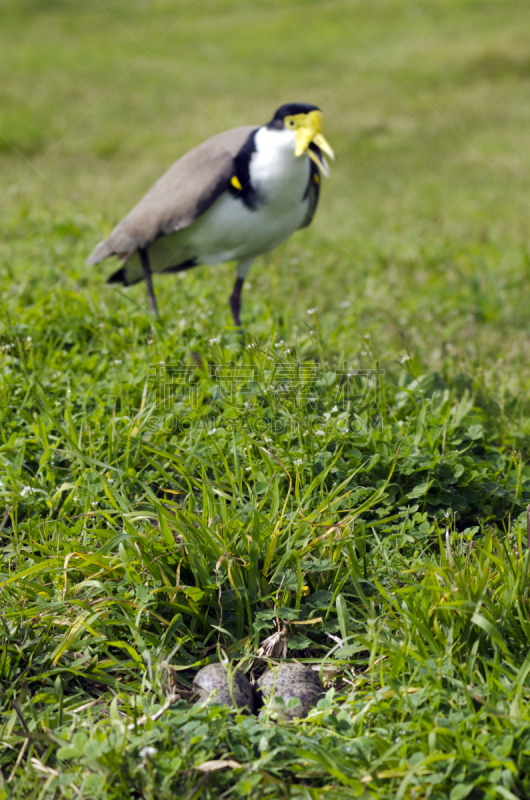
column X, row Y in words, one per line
column 307, row 693
column 285, row 675
column 215, row 676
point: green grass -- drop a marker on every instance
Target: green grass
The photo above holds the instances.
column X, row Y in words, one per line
column 152, row 516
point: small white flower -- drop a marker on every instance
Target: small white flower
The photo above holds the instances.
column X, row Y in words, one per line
column 312, row 310
column 148, row 751
column 319, row 433
column 28, row 339
column 25, row 491
column 162, row 363
column 215, row 340
column 267, row 439
column 247, row 469
column 298, row 462
column 212, row 431
column 117, row 361
column 404, row 358
column 334, row 409
column 327, row 415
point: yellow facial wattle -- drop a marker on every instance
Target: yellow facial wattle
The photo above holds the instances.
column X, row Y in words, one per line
column 308, row 129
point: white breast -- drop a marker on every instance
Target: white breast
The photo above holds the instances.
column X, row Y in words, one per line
column 279, row 176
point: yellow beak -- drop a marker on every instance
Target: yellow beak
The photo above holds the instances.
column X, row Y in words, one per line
column 308, row 129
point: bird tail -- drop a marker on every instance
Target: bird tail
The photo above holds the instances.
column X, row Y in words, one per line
column 130, row 271
column 103, row 250
column 118, row 277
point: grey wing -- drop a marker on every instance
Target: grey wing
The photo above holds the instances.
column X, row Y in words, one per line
column 182, row 194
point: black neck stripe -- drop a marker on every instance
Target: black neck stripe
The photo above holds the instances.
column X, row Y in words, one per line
column 247, row 193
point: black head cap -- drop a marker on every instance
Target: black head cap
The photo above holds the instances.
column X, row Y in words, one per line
column 288, row 110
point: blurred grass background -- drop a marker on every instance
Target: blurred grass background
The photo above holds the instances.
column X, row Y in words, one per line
column 422, row 227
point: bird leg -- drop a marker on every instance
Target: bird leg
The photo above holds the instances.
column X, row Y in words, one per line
column 235, row 307
column 235, row 301
column 144, row 258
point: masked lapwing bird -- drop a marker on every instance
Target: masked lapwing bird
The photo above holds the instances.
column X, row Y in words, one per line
column 237, row 195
